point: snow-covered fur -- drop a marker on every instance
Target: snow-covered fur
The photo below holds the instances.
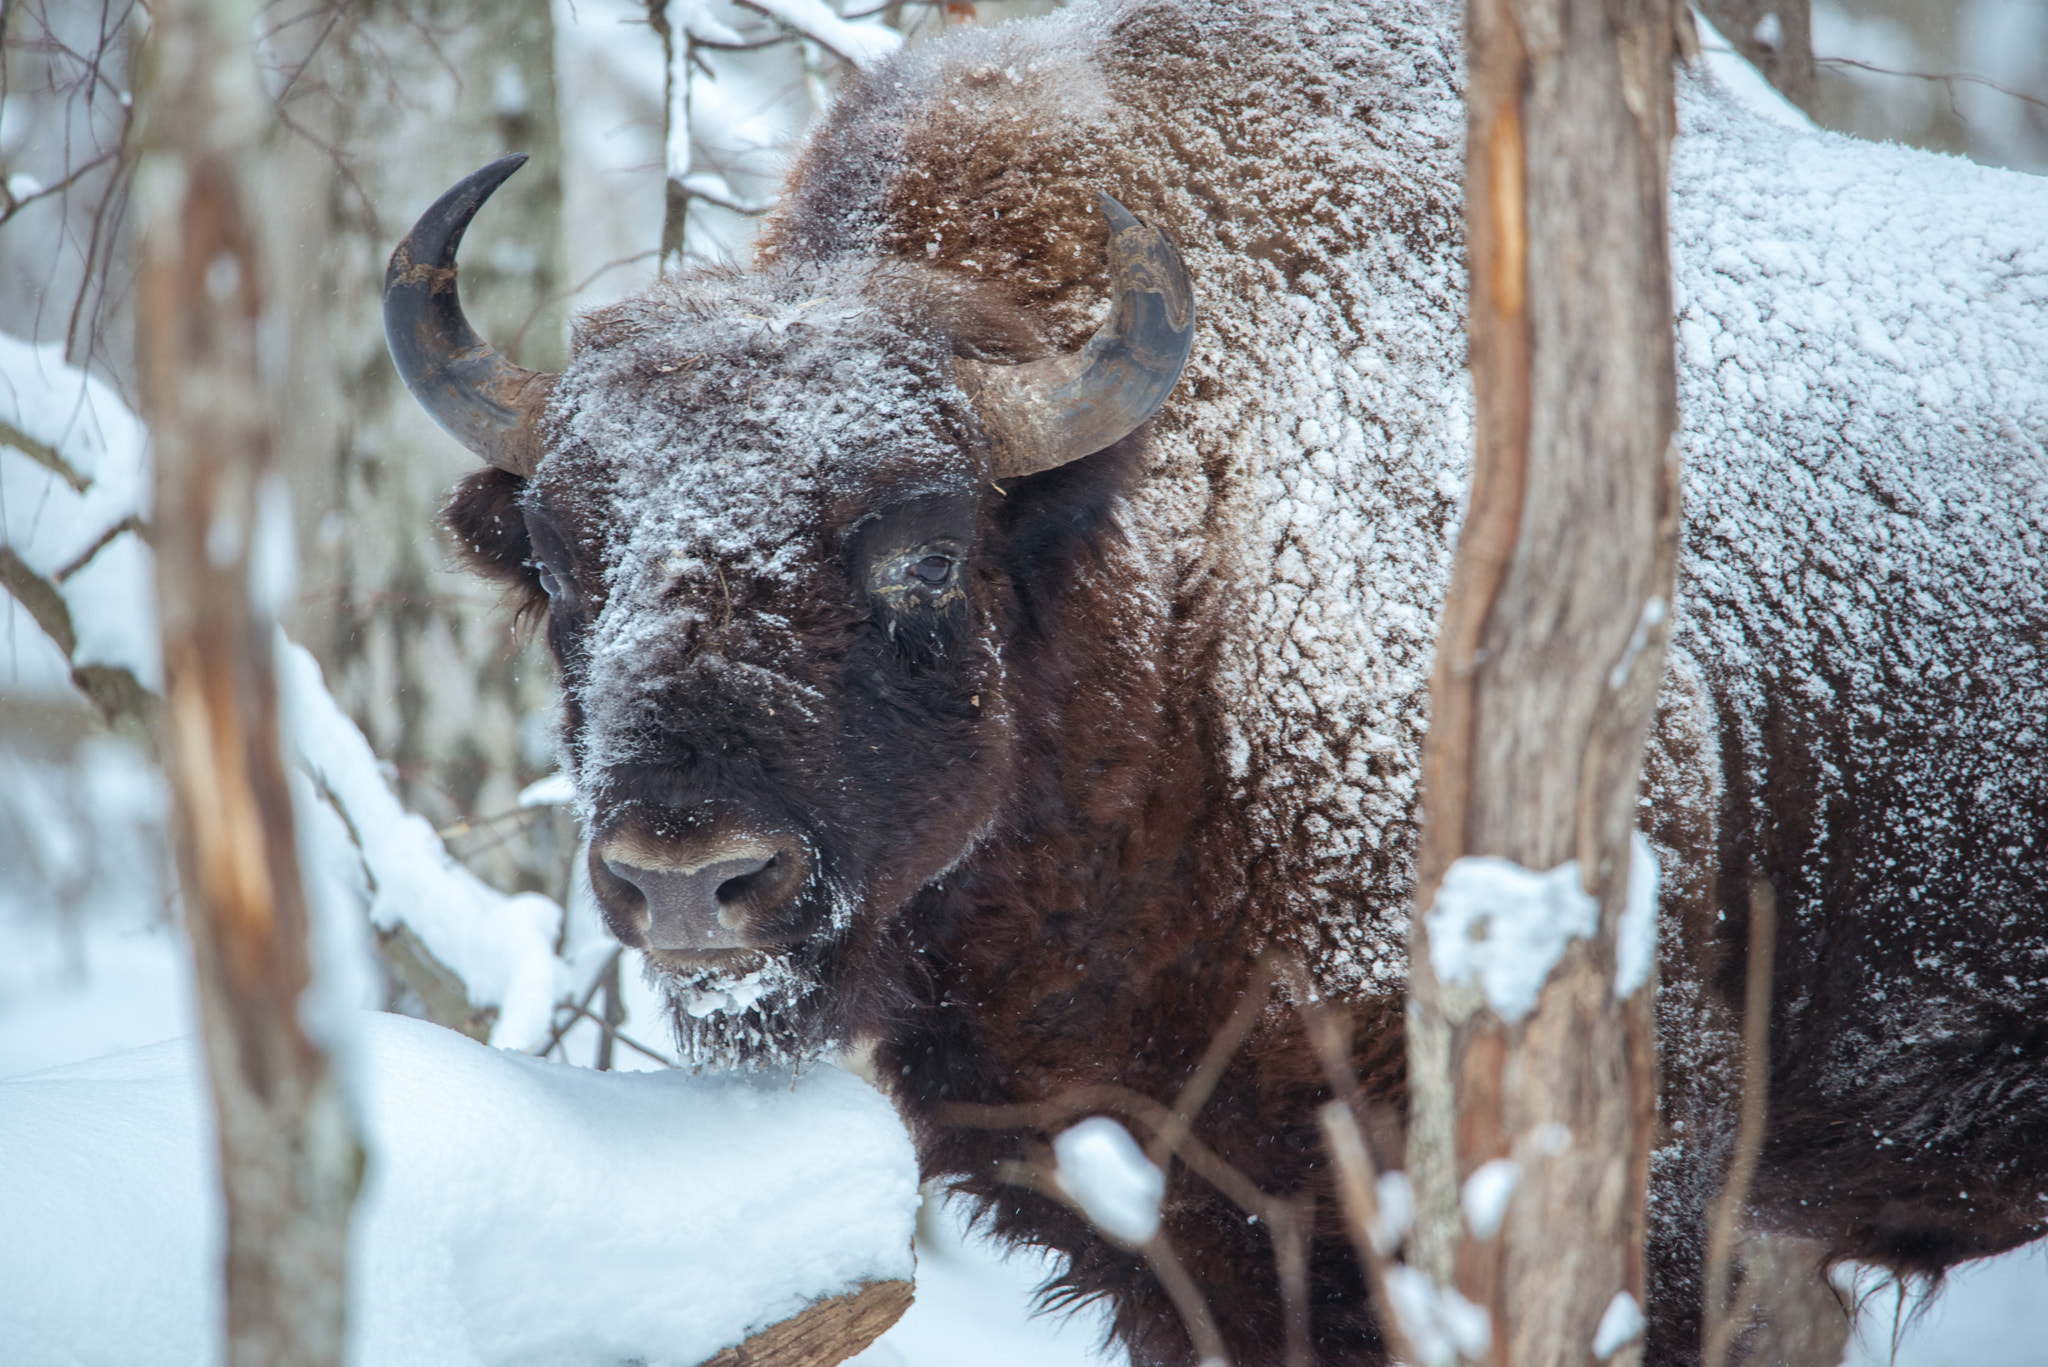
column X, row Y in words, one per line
column 1170, row 711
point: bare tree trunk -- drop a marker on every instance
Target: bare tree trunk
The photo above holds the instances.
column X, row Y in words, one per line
column 405, row 97
column 1776, row 37
column 1548, row 661
column 290, row 1162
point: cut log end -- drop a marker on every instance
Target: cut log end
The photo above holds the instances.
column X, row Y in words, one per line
column 826, row 1332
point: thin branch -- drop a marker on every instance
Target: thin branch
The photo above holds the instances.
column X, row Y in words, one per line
column 614, row 1014
column 585, row 1013
column 130, row 523
column 1358, row 1193
column 562, row 1027
column 10, row 204
column 1195, row 1094
column 1055, row 1113
column 1290, row 1260
column 561, row 296
column 1180, row 1288
column 1947, row 78
column 1724, row 1321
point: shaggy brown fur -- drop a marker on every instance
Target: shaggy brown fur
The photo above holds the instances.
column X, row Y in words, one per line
column 1164, row 711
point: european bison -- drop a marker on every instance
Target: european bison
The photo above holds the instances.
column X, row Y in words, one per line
column 932, row 687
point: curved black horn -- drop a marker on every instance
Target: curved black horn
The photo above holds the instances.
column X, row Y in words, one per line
column 481, row 399
column 1046, row 413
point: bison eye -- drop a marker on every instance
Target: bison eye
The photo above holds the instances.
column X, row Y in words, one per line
column 549, row 585
column 933, row 569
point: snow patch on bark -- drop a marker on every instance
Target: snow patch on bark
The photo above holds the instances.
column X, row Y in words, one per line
column 1504, row 927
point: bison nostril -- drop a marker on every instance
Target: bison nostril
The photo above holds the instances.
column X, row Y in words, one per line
column 736, row 893
column 712, row 896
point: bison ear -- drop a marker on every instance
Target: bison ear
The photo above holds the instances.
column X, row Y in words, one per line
column 489, row 529
column 1051, row 525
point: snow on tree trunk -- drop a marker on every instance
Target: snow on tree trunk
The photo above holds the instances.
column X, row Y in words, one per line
column 408, row 97
column 1534, row 1101
column 290, row 1161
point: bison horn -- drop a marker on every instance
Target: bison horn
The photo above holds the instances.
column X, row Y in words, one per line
column 481, row 399
column 1049, row 412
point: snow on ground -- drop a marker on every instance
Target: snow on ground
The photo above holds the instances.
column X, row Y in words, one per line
column 1989, row 1314
column 516, row 1210
column 974, row 1306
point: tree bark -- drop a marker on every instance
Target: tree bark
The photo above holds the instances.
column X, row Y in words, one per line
column 1548, row 660
column 290, row 1162
column 823, row 1333
column 1775, row 37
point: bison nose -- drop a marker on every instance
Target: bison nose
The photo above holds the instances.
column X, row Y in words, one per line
column 714, row 897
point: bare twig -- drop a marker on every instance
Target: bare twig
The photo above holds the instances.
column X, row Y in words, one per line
column 1108, row 1098
column 1195, row 1094
column 585, row 1013
column 1723, row 1320
column 574, row 290
column 576, row 1010
column 10, row 204
column 614, row 1014
column 1180, row 1288
column 1358, row 1192
column 1290, row 1223
column 1287, row 1222
column 1947, row 78
column 130, row 523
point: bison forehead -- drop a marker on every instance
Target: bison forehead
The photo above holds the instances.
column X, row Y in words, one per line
column 733, row 424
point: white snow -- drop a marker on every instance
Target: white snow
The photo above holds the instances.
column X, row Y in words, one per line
column 1440, row 1323
column 503, row 947
column 861, row 44
column 1992, row 1313
column 1635, row 935
column 1397, row 1209
column 1621, row 1323
column 1110, row 1178
column 1485, row 1195
column 556, row 790
column 54, row 518
column 974, row 1305
column 1744, row 82
column 1505, row 927
column 516, row 1211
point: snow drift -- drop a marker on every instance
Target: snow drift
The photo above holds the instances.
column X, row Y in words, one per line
column 515, row 1211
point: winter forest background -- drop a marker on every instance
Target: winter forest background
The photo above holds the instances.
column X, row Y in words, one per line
column 659, row 133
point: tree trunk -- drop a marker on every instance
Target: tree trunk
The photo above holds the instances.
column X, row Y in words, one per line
column 406, row 97
column 1548, row 661
column 290, row 1162
column 1775, row 37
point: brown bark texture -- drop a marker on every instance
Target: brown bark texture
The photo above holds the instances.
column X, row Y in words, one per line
column 1775, row 37
column 1548, row 659
column 825, row 1332
column 290, row 1161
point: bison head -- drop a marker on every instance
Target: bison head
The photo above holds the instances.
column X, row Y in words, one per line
column 767, row 514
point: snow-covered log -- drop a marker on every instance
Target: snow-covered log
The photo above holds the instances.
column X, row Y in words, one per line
column 515, row 1211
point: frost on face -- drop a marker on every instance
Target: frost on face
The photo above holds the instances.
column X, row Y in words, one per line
column 724, row 429
column 728, row 1019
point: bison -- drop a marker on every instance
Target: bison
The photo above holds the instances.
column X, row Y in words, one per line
column 997, row 614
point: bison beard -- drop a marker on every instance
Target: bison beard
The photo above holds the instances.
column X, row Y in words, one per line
column 898, row 724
